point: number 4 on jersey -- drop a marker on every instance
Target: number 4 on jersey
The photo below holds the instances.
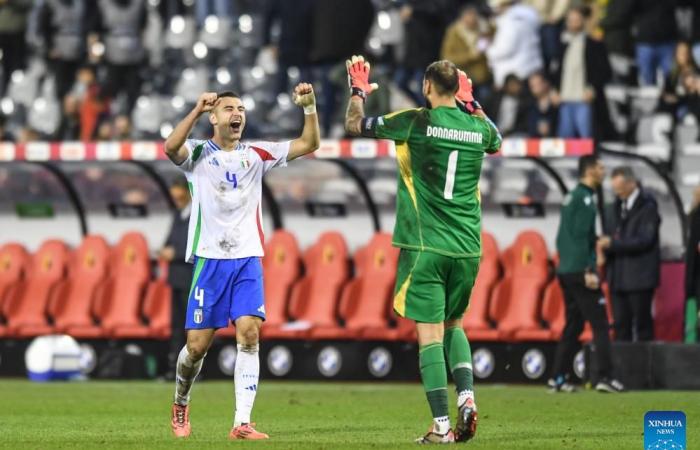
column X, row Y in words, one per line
column 450, row 177
column 199, row 296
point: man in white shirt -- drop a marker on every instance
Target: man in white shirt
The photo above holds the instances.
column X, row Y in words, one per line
column 225, row 241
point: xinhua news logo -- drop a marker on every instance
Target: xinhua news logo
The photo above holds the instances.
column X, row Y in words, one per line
column 664, row 430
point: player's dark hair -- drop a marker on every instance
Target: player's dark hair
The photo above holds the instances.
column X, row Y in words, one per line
column 443, row 75
column 227, row 94
column 586, row 162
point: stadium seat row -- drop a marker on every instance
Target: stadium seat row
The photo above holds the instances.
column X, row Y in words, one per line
column 100, row 292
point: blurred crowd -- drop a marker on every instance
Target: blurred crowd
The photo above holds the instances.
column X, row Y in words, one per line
column 128, row 69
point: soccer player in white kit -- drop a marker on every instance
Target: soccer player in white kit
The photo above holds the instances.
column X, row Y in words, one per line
column 225, row 241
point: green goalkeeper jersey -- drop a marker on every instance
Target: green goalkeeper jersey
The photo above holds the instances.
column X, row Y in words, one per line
column 439, row 153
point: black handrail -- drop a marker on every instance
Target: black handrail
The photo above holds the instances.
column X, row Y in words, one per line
column 272, row 206
column 542, row 163
column 355, row 175
column 70, row 190
column 158, row 179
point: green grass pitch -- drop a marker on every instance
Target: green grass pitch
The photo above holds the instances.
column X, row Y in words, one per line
column 323, row 415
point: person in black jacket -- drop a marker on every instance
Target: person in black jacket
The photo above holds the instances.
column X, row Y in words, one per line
column 581, row 73
column 692, row 254
column 179, row 271
column 631, row 247
column 425, row 23
column 292, row 47
column 656, row 34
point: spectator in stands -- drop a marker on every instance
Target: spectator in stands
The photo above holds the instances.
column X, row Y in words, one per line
column 218, row 8
column 179, row 271
column 694, row 28
column 509, row 107
column 689, row 101
column 339, row 30
column 515, row 48
column 424, row 24
column 656, row 35
column 551, row 13
column 5, row 136
column 105, row 130
column 464, row 45
column 91, row 102
column 122, row 128
column 579, row 281
column 674, row 88
column 13, row 24
column 61, row 26
column 617, row 35
column 631, row 247
column 292, row 47
column 120, row 24
column 171, row 8
column 582, row 71
column 69, row 129
column 543, row 110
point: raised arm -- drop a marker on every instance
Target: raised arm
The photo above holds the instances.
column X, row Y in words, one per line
column 467, row 103
column 360, row 88
column 310, row 138
column 175, row 143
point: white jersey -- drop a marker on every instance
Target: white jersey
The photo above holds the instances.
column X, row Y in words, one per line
column 226, row 188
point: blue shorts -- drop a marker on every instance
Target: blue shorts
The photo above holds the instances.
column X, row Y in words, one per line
column 223, row 290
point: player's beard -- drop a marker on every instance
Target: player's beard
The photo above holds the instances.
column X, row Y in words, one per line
column 427, row 103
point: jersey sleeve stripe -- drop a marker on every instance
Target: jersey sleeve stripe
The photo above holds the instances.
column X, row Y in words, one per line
column 263, row 154
column 197, row 152
column 260, row 229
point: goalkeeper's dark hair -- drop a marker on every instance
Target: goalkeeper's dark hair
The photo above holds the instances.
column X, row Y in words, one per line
column 227, row 94
column 444, row 77
column 586, row 162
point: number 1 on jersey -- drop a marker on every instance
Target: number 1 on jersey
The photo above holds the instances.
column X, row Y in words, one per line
column 450, row 177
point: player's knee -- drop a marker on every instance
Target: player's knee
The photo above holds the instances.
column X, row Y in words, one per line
column 196, row 350
column 249, row 336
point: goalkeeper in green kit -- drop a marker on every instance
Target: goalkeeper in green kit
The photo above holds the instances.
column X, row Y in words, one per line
column 439, row 150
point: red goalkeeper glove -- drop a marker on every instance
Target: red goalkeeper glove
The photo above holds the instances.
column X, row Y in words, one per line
column 465, row 93
column 358, row 77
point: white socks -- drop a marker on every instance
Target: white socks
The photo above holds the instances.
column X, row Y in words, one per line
column 186, row 371
column 246, row 375
column 442, row 424
column 463, row 396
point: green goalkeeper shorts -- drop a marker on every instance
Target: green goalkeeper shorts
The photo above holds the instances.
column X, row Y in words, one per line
column 432, row 288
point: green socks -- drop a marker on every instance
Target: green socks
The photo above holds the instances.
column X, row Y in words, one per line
column 434, row 375
column 459, row 356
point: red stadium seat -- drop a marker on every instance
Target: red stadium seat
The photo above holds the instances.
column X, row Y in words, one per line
column 26, row 314
column 14, row 261
column 156, row 310
column 118, row 301
column 516, row 302
column 71, row 306
column 476, row 322
column 553, row 313
column 314, row 298
column 364, row 302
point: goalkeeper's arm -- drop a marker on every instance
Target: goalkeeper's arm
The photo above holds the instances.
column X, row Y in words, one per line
column 360, row 88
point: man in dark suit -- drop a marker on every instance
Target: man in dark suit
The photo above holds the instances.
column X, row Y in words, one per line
column 179, row 271
column 631, row 247
column 692, row 254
